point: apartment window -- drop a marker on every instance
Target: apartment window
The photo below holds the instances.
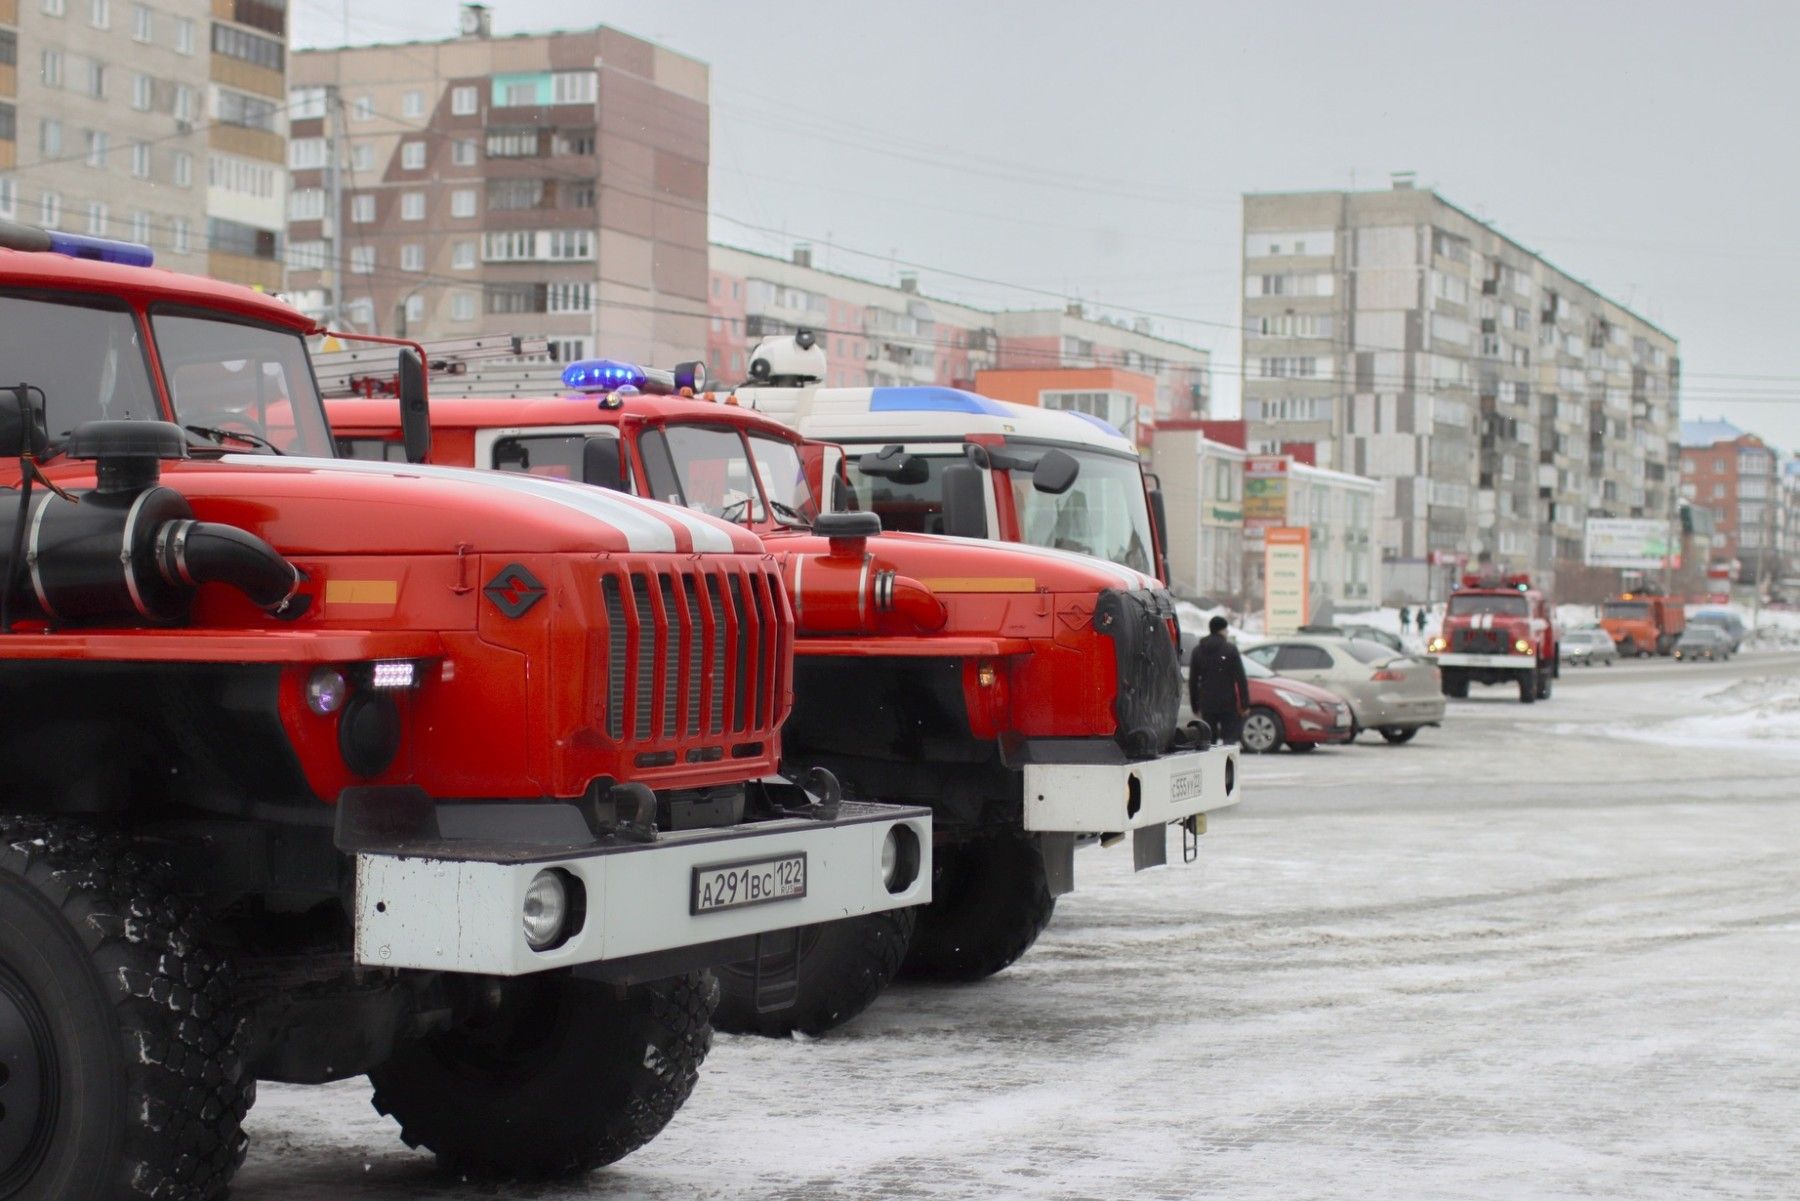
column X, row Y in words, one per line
column 251, row 112
column 462, row 202
column 270, row 16
column 575, row 142
column 415, row 308
column 306, row 104
column 100, row 14
column 465, row 101
column 412, row 257
column 568, row 350
column 362, row 209
column 362, row 313
column 184, row 35
column 182, row 236
column 412, row 156
column 578, row 195
column 462, row 307
column 96, row 148
column 464, row 152
column 53, row 8
column 247, row 47
column 412, row 104
column 306, row 256
column 97, row 218
column 143, row 93
column 93, row 79
column 234, row 237
column 183, row 169
column 185, row 103
column 515, row 194
column 9, row 123
column 518, row 94
column 307, row 154
column 50, row 209
column 1718, row 491
column 574, row 87
column 9, row 48
column 140, row 227
column 362, row 108
column 512, row 143
column 362, row 158
column 412, row 206
column 9, row 196
column 570, row 298
column 50, row 137
column 570, row 244
column 241, row 175
column 143, row 23
column 462, row 256
column 50, row 68
column 140, row 160
column 362, row 260
column 508, row 246
column 306, row 204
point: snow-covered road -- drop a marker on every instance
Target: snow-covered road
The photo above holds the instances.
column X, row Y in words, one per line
column 1526, row 956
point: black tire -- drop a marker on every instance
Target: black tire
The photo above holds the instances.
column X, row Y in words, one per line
column 1528, row 687
column 1456, row 686
column 990, row 901
column 117, row 1025
column 1302, row 748
column 1397, row 735
column 1627, row 648
column 1545, row 683
column 568, row 1076
column 843, row 967
column 1268, row 734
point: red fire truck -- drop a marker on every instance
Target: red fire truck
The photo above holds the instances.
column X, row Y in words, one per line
column 1030, row 697
column 319, row 769
column 1498, row 630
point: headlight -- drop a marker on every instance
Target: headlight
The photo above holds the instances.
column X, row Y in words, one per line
column 899, row 859
column 1296, row 700
column 546, row 906
column 1522, row 647
column 1438, row 644
column 326, row 690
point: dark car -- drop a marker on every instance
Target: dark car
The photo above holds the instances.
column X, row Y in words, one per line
column 1723, row 620
column 1703, row 642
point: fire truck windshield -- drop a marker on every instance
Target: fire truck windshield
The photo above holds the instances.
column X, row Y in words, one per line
column 1103, row 513
column 1625, row 609
column 1500, row 605
column 240, row 386
column 85, row 353
column 707, row 468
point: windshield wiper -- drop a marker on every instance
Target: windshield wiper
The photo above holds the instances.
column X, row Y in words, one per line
column 222, row 436
column 789, row 514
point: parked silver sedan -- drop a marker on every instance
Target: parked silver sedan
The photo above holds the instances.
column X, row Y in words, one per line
column 1395, row 695
column 1590, row 645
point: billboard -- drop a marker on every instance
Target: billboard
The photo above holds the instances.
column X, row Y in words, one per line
column 1285, row 583
column 1627, row 542
column 1265, row 495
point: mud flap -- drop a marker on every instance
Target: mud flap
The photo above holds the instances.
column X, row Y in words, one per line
column 776, row 985
column 1149, row 847
column 1058, row 851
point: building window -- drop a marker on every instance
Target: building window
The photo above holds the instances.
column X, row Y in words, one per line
column 462, row 256
column 570, row 244
column 306, row 204
column 50, row 137
column 412, row 104
column 50, row 209
column 234, row 237
column 412, row 156
column 93, row 79
column 185, row 104
column 140, row 227
column 362, row 209
column 184, row 35
column 306, row 256
column 140, row 160
column 578, row 195
column 415, row 308
column 574, row 142
column 362, row 108
column 412, row 206
column 53, row 8
column 50, row 68
column 183, row 169
column 96, row 148
column 462, row 307
column 9, row 196
column 362, row 313
column 306, row 104
column 512, row 143
column 362, row 157
column 570, row 298
column 362, row 260
column 464, row 153
column 465, row 101
column 243, row 176
column 307, row 154
column 143, row 23
column 412, row 257
column 568, row 350
column 97, row 218
column 574, row 87
column 515, row 194
column 462, row 202
column 143, row 93
column 100, row 14
column 250, row 112
column 182, row 236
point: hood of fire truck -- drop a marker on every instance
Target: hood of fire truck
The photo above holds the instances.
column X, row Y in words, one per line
column 348, row 506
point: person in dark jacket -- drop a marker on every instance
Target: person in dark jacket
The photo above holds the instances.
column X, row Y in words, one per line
column 1217, row 687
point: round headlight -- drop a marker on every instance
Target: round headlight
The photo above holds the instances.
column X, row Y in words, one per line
column 899, row 858
column 1522, row 646
column 326, row 690
column 546, row 907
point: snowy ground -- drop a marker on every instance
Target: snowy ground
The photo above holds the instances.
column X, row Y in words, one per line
column 1544, row 952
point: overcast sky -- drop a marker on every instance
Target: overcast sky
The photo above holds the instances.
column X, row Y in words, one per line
column 1099, row 151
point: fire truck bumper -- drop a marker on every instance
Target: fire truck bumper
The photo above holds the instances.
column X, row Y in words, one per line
column 1111, row 798
column 463, row 905
column 1488, row 662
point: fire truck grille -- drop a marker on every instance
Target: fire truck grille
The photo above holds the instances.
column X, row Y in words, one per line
column 1478, row 642
column 1147, row 701
column 694, row 652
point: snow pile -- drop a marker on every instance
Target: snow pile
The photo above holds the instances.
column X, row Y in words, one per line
column 1759, row 713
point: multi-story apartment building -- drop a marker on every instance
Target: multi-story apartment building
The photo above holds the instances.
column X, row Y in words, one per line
column 547, row 185
column 1736, row 476
column 1500, row 401
column 157, row 121
column 878, row 334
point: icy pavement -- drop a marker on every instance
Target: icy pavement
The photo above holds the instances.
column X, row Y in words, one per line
column 1517, row 958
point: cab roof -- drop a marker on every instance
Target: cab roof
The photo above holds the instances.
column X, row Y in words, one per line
column 50, row 271
column 476, row 412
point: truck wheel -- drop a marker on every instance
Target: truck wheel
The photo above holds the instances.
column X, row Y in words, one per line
column 844, row 966
column 1545, row 683
column 119, row 1040
column 1262, row 733
column 990, row 903
column 562, row 1076
column 1456, row 685
column 1528, row 687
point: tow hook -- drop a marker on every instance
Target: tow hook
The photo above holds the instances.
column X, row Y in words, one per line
column 1192, row 827
column 632, row 816
column 820, row 783
column 1195, row 736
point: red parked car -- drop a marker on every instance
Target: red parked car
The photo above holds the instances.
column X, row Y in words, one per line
column 1299, row 715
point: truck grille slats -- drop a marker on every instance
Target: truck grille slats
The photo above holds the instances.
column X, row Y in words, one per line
column 693, row 653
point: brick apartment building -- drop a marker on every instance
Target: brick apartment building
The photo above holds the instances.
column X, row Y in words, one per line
column 1735, row 476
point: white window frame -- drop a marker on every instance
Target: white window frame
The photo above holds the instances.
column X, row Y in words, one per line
column 412, row 206
column 464, row 203
column 50, row 209
column 362, row 209
column 182, row 170
column 462, row 256
column 465, row 100
column 362, row 260
column 143, row 23
column 412, row 257
column 184, row 35
column 412, row 156
column 412, row 104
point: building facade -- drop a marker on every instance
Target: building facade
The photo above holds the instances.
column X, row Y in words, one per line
column 1126, row 400
column 879, row 335
column 1737, row 477
column 1203, row 495
column 548, row 185
column 1499, row 401
column 155, row 121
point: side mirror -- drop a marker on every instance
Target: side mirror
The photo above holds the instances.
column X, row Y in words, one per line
column 415, row 408
column 1055, row 473
column 22, row 422
column 965, row 501
column 603, row 462
column 1159, row 513
column 893, row 463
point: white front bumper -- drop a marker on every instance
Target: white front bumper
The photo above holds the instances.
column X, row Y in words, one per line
column 1491, row 662
column 464, row 915
column 1111, row 798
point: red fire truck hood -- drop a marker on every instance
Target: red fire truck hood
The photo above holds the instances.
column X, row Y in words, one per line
column 949, row 565
column 350, row 506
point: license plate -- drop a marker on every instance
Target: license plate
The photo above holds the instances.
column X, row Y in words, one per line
column 753, row 882
column 1186, row 785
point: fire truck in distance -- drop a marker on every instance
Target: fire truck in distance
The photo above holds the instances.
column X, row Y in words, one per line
column 1029, row 697
column 318, row 769
column 1644, row 623
column 1498, row 630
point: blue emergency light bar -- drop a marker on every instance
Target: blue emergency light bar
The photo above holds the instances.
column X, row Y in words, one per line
column 102, row 250
column 602, row 375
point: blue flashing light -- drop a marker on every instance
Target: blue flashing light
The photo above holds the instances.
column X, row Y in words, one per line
column 103, row 250
column 1100, row 422
column 602, row 375
column 933, row 400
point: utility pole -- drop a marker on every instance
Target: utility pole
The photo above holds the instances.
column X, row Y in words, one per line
column 334, row 149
